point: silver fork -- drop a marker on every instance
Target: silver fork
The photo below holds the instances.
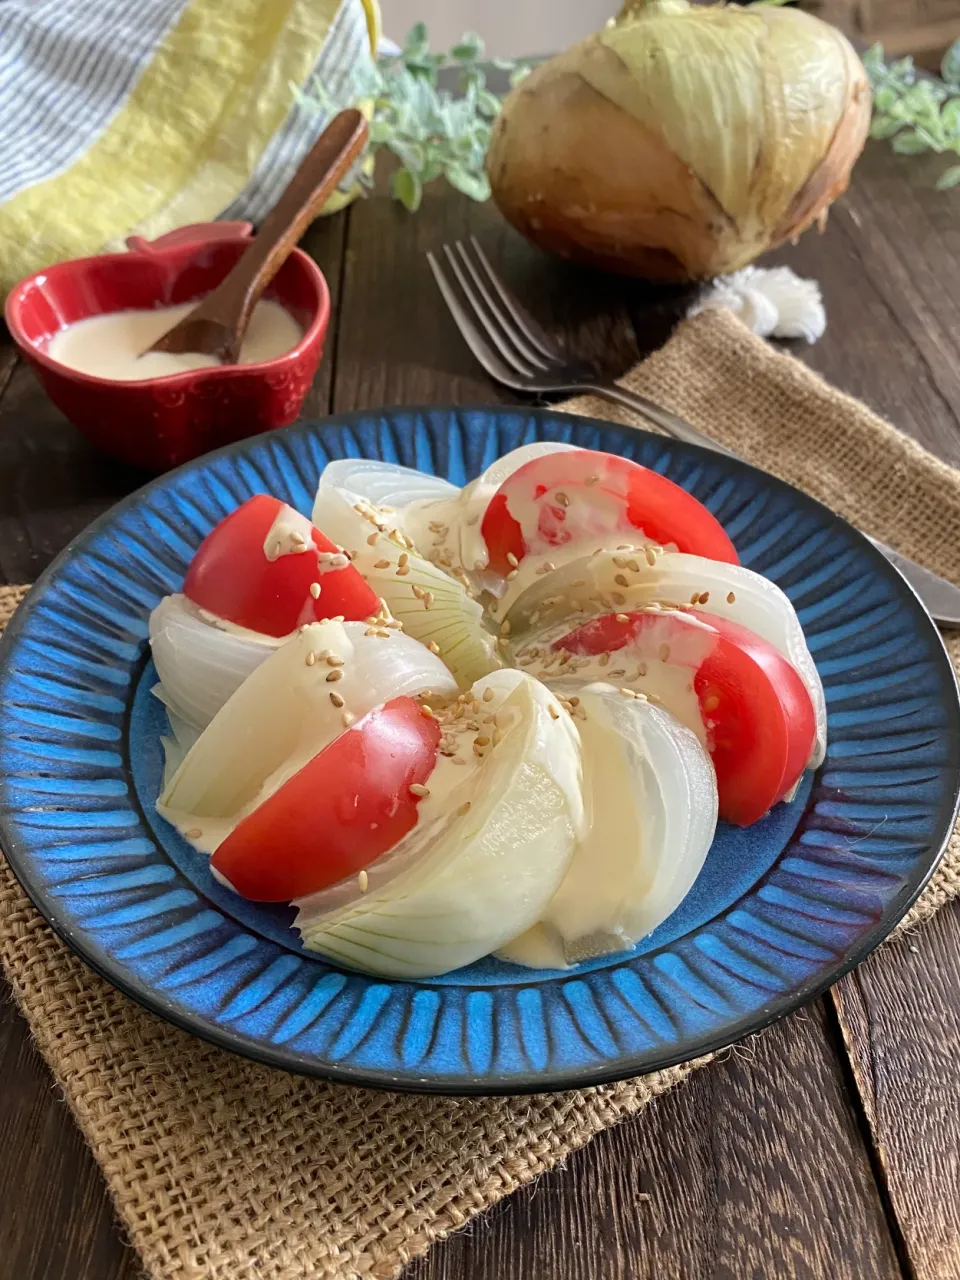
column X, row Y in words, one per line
column 516, row 351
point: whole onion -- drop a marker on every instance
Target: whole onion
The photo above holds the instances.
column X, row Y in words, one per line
column 679, row 143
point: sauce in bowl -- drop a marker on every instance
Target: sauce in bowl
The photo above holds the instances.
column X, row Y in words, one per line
column 110, row 346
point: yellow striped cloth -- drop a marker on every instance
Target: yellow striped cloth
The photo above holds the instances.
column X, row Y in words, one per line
column 120, row 119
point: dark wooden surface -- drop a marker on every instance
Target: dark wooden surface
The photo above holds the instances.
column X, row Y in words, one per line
column 828, row 1147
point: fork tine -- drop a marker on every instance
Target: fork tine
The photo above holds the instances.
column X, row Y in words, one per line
column 487, row 321
column 501, row 317
column 472, row 336
column 533, row 331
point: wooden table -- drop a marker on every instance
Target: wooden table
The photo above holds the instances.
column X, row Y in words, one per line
column 828, row 1146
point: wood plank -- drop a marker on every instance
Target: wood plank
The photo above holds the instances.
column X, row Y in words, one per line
column 754, row 1167
column 900, row 1017
column 769, row 1127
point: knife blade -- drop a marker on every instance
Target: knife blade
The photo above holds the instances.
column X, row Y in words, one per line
column 939, row 597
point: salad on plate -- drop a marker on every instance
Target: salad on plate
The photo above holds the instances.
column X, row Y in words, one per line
column 505, row 719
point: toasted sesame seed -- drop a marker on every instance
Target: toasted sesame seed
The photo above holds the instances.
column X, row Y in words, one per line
column 731, row 598
column 604, row 659
column 334, row 660
column 363, row 881
column 348, row 718
column 428, row 599
column 563, row 500
column 336, row 674
column 381, row 564
column 512, row 560
column 505, row 628
column 417, row 590
column 419, row 789
column 651, row 556
column 711, row 702
column 592, row 480
column 618, row 597
column 633, row 566
column 622, row 617
column 403, row 559
column 457, row 760
column 622, row 580
column 315, row 589
column 336, row 699
column 512, row 574
column 403, row 570
column 488, row 695
column 372, row 539
column 620, row 561
column 433, row 646
column 428, row 711
column 695, row 598
column 194, row 833
column 664, row 652
column 311, row 658
column 464, row 809
column 704, row 597
column 554, row 713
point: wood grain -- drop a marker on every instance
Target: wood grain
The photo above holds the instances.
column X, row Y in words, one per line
column 753, row 1168
column 900, row 1017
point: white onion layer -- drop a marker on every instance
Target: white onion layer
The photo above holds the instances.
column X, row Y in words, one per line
column 651, row 800
column 468, row 879
column 577, row 589
column 385, row 484
column 283, row 715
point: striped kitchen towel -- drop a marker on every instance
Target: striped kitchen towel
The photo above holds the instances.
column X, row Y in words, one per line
column 120, row 118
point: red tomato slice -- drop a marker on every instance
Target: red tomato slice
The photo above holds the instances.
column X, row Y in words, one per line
column 588, row 496
column 249, row 571
column 350, row 804
column 759, row 718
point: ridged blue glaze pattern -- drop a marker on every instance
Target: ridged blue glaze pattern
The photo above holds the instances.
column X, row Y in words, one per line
column 780, row 911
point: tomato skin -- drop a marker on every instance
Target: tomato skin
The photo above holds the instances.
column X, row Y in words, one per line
column 623, row 498
column 761, row 725
column 347, row 806
column 231, row 577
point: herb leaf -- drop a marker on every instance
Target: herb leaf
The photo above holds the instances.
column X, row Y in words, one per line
column 917, row 113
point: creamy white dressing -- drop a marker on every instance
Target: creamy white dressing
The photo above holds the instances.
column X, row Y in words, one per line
column 112, row 346
column 291, row 534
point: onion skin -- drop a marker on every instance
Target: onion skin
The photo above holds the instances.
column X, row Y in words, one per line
column 680, row 144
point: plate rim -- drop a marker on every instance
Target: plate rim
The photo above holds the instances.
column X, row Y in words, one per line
column 283, row 1058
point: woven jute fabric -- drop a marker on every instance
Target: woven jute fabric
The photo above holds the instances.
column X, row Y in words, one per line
column 223, row 1169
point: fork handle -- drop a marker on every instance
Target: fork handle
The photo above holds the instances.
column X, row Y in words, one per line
column 668, row 422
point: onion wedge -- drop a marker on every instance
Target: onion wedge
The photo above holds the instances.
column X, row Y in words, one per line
column 434, row 607
column 626, row 580
column 491, row 846
column 651, row 811
column 284, row 714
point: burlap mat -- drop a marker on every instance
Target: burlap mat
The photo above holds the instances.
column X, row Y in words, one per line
column 220, row 1168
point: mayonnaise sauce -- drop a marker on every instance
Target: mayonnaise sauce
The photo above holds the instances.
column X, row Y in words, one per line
column 111, row 346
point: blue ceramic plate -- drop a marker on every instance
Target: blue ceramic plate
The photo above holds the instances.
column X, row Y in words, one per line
column 779, row 912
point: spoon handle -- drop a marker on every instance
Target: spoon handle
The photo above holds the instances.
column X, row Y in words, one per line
column 323, row 167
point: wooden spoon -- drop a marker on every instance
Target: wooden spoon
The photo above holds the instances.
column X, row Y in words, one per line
column 216, row 326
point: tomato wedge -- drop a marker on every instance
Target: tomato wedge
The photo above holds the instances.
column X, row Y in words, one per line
column 585, row 496
column 350, row 804
column 758, row 715
column 257, row 567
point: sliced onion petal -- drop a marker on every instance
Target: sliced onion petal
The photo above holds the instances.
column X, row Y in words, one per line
column 385, row 484
column 651, row 798
column 453, row 621
column 674, row 578
column 456, row 888
column 200, row 665
column 283, row 715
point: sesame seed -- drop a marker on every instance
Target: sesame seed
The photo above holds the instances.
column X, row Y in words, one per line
column 482, row 741
column 419, row 789
column 403, row 570
column 464, row 809
column 695, row 598
column 348, row 718
column 512, row 574
column 417, row 590
column 194, row 833
column 554, row 713
column 627, row 693
column 334, row 660
column 372, row 539
column 311, row 658
column 363, row 881
column 711, row 702
column 433, row 646
column 457, row 760
column 403, row 559
column 620, row 561
column 315, row 589
column 622, row 580
column 731, row 598
column 651, row 556
column 618, row 597
column 428, row 599
column 512, row 560
column 704, row 597
column 618, row 671
column 382, row 564
column 428, row 711
column 336, row 674
column 488, row 695
column 505, row 628
column 563, row 500
column 664, row 652
column 633, row 566
column 604, row 659
column 622, row 617
column 590, row 480
column 277, row 549
column 336, row 699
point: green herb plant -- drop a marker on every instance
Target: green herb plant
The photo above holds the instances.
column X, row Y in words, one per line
column 432, row 132
column 916, row 111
